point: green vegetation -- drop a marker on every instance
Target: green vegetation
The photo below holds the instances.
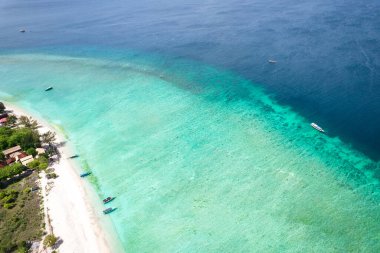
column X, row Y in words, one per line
column 25, row 137
column 50, row 240
column 2, row 107
column 11, row 170
column 21, row 216
column 22, row 222
column 48, row 137
column 11, row 120
column 28, row 122
column 28, row 138
column 31, row 151
column 22, row 248
column 8, row 198
column 51, row 175
column 41, row 163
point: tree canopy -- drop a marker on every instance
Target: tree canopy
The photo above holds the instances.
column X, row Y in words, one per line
column 2, row 107
column 25, row 137
column 48, row 137
column 11, row 170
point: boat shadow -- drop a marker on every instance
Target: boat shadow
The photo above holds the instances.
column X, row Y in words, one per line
column 111, row 211
column 58, row 243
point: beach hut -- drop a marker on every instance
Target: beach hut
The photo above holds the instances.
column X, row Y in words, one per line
column 8, row 152
column 40, row 151
column 26, row 160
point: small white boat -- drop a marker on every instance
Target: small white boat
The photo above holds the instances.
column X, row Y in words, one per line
column 315, row 126
column 48, row 88
column 22, row 30
column 272, row 61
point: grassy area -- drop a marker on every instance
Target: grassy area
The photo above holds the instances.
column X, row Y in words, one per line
column 21, row 214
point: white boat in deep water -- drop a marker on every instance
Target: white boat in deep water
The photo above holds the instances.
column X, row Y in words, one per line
column 315, row 126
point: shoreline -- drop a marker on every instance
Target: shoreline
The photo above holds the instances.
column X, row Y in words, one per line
column 75, row 215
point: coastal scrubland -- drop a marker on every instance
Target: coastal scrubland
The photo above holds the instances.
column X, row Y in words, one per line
column 21, row 216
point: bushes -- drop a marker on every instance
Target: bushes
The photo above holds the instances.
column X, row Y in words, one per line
column 11, row 170
column 41, row 163
column 31, row 151
column 23, row 247
column 51, row 175
column 8, row 198
column 44, row 163
column 27, row 190
column 34, row 164
column 9, row 205
column 50, row 240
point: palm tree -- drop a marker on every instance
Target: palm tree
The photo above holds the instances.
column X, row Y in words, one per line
column 2, row 107
column 49, row 137
column 28, row 122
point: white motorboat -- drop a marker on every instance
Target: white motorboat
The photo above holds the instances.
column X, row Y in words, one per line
column 315, row 126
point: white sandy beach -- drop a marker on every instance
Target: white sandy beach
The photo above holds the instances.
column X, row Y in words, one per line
column 73, row 217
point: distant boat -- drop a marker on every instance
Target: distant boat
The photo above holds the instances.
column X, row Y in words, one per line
column 48, row 88
column 272, row 61
column 85, row 174
column 22, row 30
column 315, row 126
column 108, row 199
column 109, row 210
column 73, row 156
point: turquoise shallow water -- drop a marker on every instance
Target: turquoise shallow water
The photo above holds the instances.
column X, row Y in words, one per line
column 200, row 159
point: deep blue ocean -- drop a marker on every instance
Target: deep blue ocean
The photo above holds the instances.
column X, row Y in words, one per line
column 327, row 51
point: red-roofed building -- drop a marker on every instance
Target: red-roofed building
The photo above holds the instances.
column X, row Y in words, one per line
column 22, row 155
column 10, row 160
column 3, row 120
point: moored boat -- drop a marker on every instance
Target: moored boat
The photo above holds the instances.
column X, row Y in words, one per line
column 108, row 199
column 48, row 88
column 272, row 61
column 315, row 126
column 85, row 174
column 108, row 210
